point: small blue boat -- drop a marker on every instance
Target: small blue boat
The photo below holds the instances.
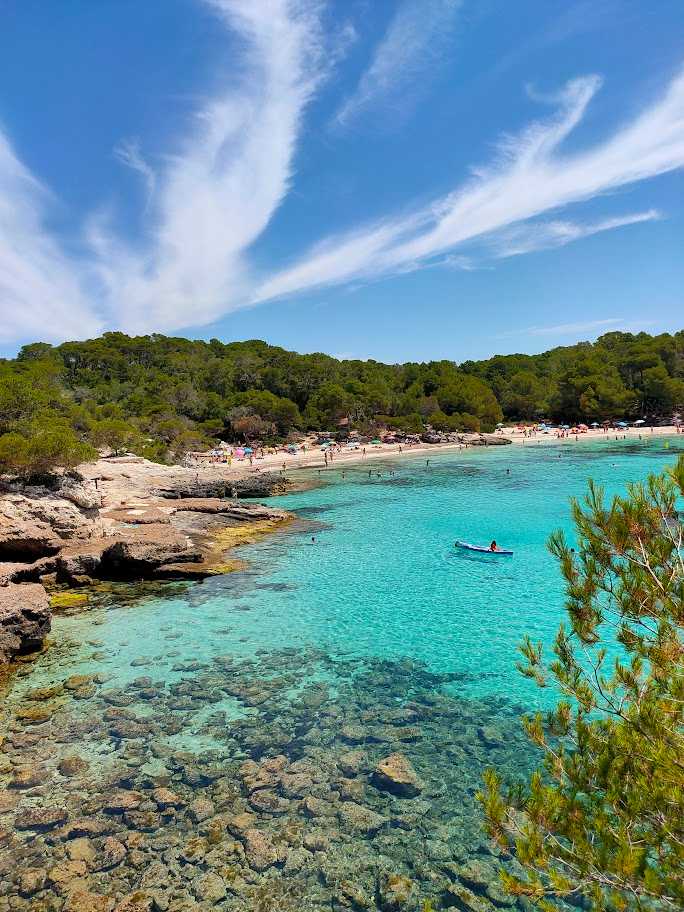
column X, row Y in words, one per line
column 482, row 550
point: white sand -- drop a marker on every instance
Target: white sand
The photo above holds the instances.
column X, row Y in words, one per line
column 313, row 458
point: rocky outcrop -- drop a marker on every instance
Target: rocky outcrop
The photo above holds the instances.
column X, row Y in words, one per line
column 36, row 520
column 229, row 509
column 259, row 485
column 24, row 619
column 140, row 551
column 485, row 440
column 58, row 532
column 135, row 553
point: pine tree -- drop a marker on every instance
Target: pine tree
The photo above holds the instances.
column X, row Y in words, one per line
column 603, row 816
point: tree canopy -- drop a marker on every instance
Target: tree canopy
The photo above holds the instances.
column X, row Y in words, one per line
column 603, row 817
column 176, row 394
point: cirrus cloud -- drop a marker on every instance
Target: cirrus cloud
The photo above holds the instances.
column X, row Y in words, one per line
column 215, row 196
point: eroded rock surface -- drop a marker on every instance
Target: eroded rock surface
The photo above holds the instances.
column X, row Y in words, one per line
column 24, row 619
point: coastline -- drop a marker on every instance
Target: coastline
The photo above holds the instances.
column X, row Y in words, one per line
column 258, row 760
column 284, row 463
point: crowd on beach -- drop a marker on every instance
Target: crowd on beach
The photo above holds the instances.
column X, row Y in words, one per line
column 322, row 451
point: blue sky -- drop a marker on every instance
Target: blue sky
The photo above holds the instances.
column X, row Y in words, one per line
column 396, row 179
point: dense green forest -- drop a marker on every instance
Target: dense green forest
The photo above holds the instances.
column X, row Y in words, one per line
column 163, row 396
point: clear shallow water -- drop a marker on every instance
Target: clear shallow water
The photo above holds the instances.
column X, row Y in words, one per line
column 383, row 577
column 378, row 636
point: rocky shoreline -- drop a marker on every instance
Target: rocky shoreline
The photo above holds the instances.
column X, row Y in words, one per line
column 118, row 519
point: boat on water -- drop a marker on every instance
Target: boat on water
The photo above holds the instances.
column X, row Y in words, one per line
column 481, row 549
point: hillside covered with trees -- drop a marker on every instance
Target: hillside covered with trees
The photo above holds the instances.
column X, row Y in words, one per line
column 162, row 396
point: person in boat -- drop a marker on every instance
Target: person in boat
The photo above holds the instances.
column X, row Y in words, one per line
column 493, row 546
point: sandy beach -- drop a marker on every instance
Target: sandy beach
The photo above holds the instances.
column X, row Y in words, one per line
column 313, row 458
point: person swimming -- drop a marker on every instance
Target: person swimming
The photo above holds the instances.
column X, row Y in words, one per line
column 493, row 546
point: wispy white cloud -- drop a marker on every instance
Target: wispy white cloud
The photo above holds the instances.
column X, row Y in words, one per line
column 41, row 287
column 223, row 186
column 212, row 199
column 129, row 154
column 415, row 39
column 533, row 236
column 566, row 329
column 216, row 195
column 591, row 328
column 528, row 178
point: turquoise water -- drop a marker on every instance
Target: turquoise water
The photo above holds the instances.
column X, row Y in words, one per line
column 383, row 577
column 378, row 635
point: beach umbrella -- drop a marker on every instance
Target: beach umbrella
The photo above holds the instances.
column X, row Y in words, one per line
column 582, row 427
column 595, row 424
column 248, row 450
column 640, row 421
column 565, row 427
column 622, row 424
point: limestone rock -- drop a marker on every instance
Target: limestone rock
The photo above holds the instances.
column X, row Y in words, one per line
column 72, row 766
column 111, row 854
column 259, row 850
column 40, row 818
column 395, row 774
column 352, row 763
column 85, row 901
column 25, row 777
column 360, row 819
column 31, row 881
column 24, row 618
column 209, row 888
column 139, row 551
column 81, row 849
column 121, row 802
column 66, row 871
column 85, row 826
column 397, row 892
column 201, row 809
column 165, row 798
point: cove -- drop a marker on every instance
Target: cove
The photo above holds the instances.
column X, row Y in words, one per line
column 217, row 745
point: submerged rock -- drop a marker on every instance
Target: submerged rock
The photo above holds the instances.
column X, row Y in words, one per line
column 80, row 900
column 397, row 892
column 395, row 774
column 26, row 777
column 260, row 851
column 72, row 765
column 360, row 819
column 209, row 888
column 32, row 881
column 38, row 818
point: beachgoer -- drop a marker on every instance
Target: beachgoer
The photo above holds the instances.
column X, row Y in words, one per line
column 493, row 546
